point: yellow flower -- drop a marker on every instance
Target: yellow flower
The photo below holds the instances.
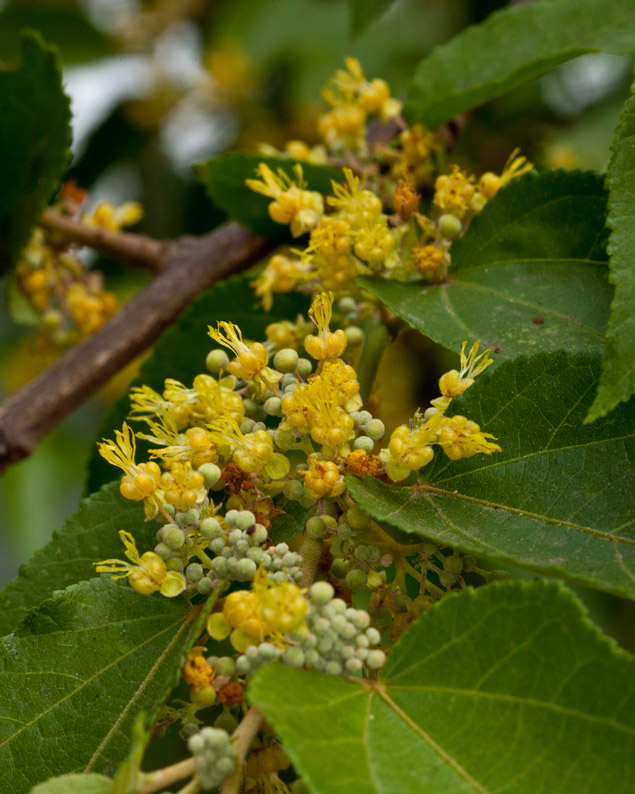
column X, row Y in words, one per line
column 516, row 165
column 146, row 574
column 322, row 478
column 454, row 192
column 431, row 261
column 140, row 480
column 197, row 672
column 282, row 274
column 251, row 360
column 251, row 452
column 114, row 218
column 462, row 438
column 354, row 204
column 326, row 344
column 410, row 448
column 349, row 87
column 182, row 486
column 293, row 205
column 454, row 382
column 329, row 250
column 414, row 160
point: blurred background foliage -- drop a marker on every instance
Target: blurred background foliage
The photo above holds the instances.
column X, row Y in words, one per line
column 157, row 85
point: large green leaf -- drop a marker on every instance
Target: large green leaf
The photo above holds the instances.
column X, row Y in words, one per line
column 78, row 671
column 89, row 535
column 34, row 140
column 558, row 499
column 224, row 179
column 508, row 688
column 181, row 351
column 618, row 365
column 529, row 274
column 510, row 48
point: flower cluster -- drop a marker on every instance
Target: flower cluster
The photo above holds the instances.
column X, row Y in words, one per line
column 65, row 300
column 374, row 221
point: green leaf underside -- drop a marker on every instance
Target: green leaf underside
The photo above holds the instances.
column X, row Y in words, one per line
column 528, row 276
column 512, row 47
column 89, row 535
column 224, row 179
column 558, row 499
column 507, row 688
column 76, row 674
column 180, row 352
column 34, row 140
column 75, row 784
column 618, row 365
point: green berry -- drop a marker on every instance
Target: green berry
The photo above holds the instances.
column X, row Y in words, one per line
column 216, row 361
column 256, row 554
column 204, row 586
column 217, row 545
column 210, row 528
column 321, row 593
column 169, row 509
column 247, row 426
column 220, row 566
column 376, row 659
column 273, row 406
column 267, row 651
column 293, row 656
column 174, row 564
column 448, row 578
column 375, row 429
column 344, row 531
column 230, row 518
column 292, row 489
column 188, row 518
column 163, row 551
column 194, row 572
column 173, row 537
column 284, row 440
column 333, row 667
column 286, row 360
column 226, row 666
column 362, row 552
column 355, row 579
column 354, row 335
column 245, row 570
column 188, row 730
column 361, row 418
column 338, row 568
column 260, row 534
column 450, row 226
column 243, row 665
column 365, row 443
column 353, row 665
column 453, row 564
column 226, row 722
column 315, row 527
column 373, row 635
column 211, row 474
column 245, row 520
column 304, row 367
column 204, row 697
column 225, row 766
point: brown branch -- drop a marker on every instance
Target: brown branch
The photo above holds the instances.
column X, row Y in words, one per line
column 191, row 265
column 162, row 778
column 134, row 249
column 242, row 739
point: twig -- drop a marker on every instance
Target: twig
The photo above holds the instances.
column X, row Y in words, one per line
column 310, row 551
column 192, row 265
column 242, row 738
column 134, row 249
column 163, row 778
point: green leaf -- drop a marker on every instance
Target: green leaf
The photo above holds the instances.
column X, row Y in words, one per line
column 89, row 535
column 505, row 688
column 34, row 140
column 558, row 499
column 285, row 527
column 224, row 179
column 365, row 12
column 75, row 784
column 181, row 351
column 78, row 671
column 529, row 275
column 618, row 365
column 512, row 47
